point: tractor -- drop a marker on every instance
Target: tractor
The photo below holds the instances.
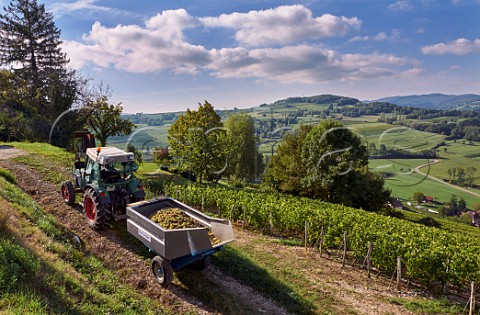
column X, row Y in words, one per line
column 107, row 183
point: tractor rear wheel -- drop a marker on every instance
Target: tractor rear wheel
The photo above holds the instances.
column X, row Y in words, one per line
column 94, row 210
column 68, row 192
column 162, row 271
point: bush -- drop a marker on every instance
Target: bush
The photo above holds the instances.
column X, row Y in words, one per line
column 9, row 177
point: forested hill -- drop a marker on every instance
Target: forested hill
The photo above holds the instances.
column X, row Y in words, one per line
column 437, row 101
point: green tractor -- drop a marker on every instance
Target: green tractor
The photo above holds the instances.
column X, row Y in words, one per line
column 107, row 183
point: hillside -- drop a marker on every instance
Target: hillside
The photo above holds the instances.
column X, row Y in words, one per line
column 83, row 271
column 437, row 101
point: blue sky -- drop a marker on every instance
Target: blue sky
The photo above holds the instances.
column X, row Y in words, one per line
column 162, row 56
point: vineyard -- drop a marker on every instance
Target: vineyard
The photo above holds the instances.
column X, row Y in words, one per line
column 429, row 255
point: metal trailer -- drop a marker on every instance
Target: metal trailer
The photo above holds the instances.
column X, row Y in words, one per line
column 177, row 248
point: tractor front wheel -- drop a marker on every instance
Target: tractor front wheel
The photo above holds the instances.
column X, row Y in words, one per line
column 94, row 211
column 162, row 271
column 68, row 192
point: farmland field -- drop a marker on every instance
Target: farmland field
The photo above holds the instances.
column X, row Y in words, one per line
column 404, row 181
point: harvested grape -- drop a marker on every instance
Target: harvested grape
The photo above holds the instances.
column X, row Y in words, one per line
column 174, row 219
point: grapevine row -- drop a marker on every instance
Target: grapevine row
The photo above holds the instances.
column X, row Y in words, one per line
column 428, row 254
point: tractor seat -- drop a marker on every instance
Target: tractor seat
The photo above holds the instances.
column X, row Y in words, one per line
column 109, row 176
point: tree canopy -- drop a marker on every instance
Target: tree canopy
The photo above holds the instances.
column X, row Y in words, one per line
column 197, row 143
column 327, row 162
column 244, row 160
column 30, row 51
column 106, row 121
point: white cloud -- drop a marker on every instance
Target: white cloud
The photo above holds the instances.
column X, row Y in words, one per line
column 160, row 45
column 157, row 46
column 282, row 25
column 62, row 8
column 382, row 36
column 305, row 64
column 460, row 46
column 402, row 5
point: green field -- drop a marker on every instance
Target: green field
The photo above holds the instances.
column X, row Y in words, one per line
column 404, row 181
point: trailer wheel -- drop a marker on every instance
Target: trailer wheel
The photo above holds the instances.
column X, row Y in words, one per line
column 68, row 192
column 94, row 211
column 162, row 271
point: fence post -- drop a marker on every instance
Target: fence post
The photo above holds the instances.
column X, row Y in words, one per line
column 270, row 221
column 369, row 261
column 472, row 299
column 244, row 215
column 306, row 234
column 399, row 272
column 184, row 195
column 231, row 212
column 203, row 203
column 176, row 194
column 344, row 248
column 322, row 236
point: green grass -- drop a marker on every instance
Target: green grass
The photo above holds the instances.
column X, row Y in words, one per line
column 405, row 181
column 429, row 306
column 66, row 278
column 8, row 175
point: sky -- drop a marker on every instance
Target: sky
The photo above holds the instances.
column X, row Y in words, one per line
column 160, row 56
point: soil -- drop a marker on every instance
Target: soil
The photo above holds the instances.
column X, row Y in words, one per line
column 8, row 152
column 349, row 285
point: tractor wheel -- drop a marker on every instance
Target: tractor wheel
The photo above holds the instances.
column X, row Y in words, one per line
column 162, row 271
column 68, row 192
column 94, row 211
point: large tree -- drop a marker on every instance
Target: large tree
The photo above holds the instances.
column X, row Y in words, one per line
column 244, row 160
column 327, row 162
column 106, row 121
column 197, row 143
column 285, row 172
column 30, row 47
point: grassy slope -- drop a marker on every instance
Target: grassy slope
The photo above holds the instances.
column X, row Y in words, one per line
column 66, row 279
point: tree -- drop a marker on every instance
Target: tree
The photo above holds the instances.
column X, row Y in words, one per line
column 285, row 171
column 106, row 121
column 470, row 172
column 161, row 155
column 30, row 44
column 383, row 150
column 462, row 205
column 453, row 205
column 136, row 153
column 197, row 143
column 327, row 162
column 372, row 149
column 245, row 162
column 418, row 196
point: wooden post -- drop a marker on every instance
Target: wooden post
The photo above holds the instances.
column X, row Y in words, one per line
column 244, row 216
column 203, row 203
column 306, row 234
column 231, row 212
column 184, row 195
column 270, row 221
column 472, row 300
column 369, row 261
column 344, row 248
column 322, row 236
column 399, row 272
column 176, row 194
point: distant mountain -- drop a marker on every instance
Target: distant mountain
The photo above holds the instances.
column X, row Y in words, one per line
column 437, row 101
